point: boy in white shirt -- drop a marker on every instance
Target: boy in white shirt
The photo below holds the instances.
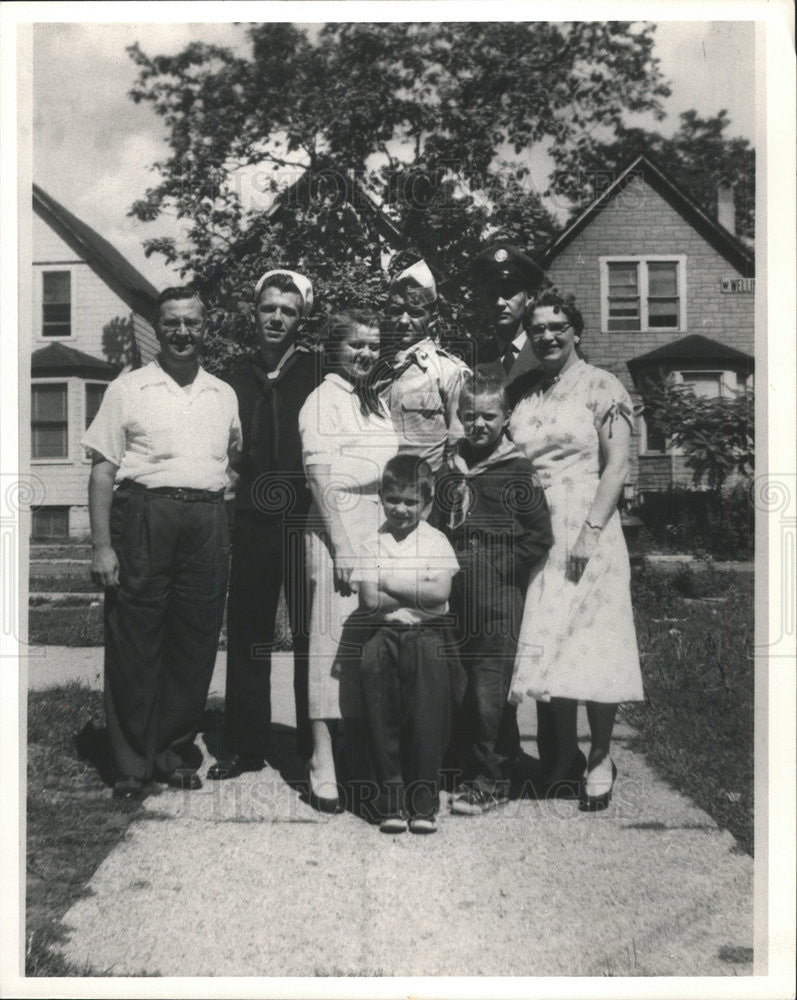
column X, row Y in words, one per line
column 403, row 575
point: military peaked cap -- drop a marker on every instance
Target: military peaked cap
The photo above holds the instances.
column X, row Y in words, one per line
column 504, row 262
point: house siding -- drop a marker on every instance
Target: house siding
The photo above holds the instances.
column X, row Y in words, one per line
column 104, row 325
column 638, row 221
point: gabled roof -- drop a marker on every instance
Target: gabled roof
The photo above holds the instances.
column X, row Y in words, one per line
column 695, row 347
column 58, row 359
column 354, row 193
column 734, row 250
column 97, row 251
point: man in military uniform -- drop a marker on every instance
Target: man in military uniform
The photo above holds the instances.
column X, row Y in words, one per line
column 423, row 380
column 272, row 500
column 506, row 280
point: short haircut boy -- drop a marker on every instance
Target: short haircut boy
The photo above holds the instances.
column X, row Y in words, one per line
column 409, row 470
column 484, row 383
column 406, row 670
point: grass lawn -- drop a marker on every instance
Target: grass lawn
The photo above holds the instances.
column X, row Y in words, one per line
column 60, row 625
column 72, row 821
column 695, row 726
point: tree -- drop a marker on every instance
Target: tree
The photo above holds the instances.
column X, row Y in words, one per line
column 717, row 435
column 698, row 156
column 433, row 121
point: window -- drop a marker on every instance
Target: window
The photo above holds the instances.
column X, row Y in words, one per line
column 56, row 304
column 654, row 439
column 643, row 293
column 705, row 385
column 50, row 522
column 49, row 422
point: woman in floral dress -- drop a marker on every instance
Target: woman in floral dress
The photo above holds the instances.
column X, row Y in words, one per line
column 577, row 638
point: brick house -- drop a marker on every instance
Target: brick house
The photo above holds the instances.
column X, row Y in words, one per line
column 665, row 290
column 90, row 322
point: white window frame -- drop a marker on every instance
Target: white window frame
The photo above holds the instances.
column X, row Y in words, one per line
column 644, row 259
column 87, row 456
column 69, row 458
column 39, row 304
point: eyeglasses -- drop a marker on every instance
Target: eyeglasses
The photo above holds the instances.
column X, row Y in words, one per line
column 538, row 329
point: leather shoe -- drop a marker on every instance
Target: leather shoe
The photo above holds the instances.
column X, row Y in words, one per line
column 234, row 766
column 321, row 803
column 597, row 803
column 324, row 805
column 184, row 778
column 128, row 789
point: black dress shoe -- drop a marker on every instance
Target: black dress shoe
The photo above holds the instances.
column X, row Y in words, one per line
column 321, row 803
column 184, row 778
column 234, row 766
column 128, row 789
column 597, row 803
column 324, row 805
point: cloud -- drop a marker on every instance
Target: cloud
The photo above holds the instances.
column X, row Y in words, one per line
column 93, row 145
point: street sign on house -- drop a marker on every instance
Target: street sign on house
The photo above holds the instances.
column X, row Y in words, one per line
column 737, row 285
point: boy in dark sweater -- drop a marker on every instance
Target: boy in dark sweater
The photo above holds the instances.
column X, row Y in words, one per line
column 494, row 512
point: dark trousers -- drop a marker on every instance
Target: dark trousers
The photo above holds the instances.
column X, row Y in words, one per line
column 406, row 691
column 162, row 626
column 487, row 740
column 266, row 552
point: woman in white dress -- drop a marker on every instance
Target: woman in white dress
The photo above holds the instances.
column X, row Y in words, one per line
column 347, row 437
column 577, row 638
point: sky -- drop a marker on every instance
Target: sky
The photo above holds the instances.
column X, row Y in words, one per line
column 93, row 147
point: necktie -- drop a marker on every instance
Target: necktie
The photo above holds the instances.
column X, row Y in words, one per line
column 509, row 357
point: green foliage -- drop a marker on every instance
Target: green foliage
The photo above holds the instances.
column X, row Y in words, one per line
column 72, row 824
column 431, row 122
column 718, row 525
column 717, row 435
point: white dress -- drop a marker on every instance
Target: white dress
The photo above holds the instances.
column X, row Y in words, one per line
column 576, row 640
column 336, row 433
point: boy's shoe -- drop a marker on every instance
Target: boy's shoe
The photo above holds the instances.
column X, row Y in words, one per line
column 423, row 824
column 394, row 824
column 471, row 800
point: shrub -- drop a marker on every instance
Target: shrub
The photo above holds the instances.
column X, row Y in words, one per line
column 719, row 525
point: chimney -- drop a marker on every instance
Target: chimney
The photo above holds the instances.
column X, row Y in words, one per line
column 726, row 207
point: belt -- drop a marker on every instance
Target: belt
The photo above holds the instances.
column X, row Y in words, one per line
column 183, row 493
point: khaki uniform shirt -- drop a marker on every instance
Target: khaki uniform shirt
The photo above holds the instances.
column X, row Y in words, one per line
column 423, row 401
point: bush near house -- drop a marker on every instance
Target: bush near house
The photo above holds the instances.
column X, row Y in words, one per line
column 719, row 525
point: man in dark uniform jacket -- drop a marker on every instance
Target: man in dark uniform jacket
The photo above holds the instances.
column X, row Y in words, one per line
column 506, row 280
column 272, row 500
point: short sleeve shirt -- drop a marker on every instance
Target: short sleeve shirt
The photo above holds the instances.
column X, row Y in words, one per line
column 423, row 401
column 425, row 550
column 161, row 434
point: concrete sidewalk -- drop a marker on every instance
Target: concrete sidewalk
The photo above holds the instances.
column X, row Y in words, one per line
column 243, row 878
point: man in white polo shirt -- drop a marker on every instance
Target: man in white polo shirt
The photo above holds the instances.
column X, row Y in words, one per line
column 162, row 444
